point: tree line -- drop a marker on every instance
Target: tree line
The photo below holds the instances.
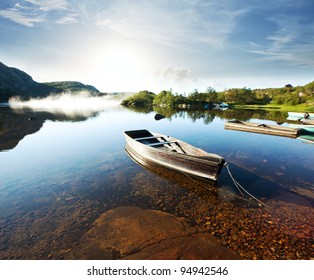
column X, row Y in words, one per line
column 240, row 96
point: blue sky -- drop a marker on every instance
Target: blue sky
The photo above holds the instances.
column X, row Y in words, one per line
column 132, row 45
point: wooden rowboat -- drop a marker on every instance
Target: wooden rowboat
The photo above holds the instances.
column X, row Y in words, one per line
column 146, row 146
column 263, row 128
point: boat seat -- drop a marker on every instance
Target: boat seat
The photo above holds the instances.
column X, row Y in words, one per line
column 146, row 138
column 161, row 143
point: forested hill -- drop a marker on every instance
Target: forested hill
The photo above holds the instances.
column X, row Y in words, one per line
column 14, row 82
column 72, row 86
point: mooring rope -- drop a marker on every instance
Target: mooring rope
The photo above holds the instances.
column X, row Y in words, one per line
column 234, row 180
column 239, row 187
column 228, row 192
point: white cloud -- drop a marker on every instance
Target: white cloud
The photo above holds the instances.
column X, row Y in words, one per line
column 171, row 23
column 178, row 24
column 176, row 74
column 287, row 43
column 67, row 20
column 30, row 12
column 212, row 22
column 49, row 5
column 19, row 17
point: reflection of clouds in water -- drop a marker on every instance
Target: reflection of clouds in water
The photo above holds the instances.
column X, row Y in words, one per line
column 69, row 104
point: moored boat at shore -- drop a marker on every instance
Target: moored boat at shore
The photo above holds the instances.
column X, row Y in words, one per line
column 295, row 116
column 307, row 121
column 305, row 127
column 263, row 128
column 307, row 138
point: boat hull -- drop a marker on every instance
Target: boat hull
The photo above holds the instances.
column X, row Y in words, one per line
column 308, row 122
column 307, row 138
column 186, row 159
column 263, row 129
column 305, row 127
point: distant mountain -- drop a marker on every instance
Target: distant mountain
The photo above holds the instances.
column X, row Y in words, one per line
column 72, row 86
column 14, row 82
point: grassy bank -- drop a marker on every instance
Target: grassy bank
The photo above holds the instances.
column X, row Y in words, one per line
column 284, row 108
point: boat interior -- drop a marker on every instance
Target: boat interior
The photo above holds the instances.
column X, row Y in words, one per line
column 156, row 141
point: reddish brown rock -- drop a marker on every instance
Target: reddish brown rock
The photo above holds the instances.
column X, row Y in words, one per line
column 134, row 233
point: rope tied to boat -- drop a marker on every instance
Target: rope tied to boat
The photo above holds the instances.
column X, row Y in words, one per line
column 240, row 188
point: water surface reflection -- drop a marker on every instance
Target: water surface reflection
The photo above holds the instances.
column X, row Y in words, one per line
column 58, row 175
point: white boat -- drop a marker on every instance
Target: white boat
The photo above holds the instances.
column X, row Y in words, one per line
column 295, row 116
column 146, row 146
column 307, row 121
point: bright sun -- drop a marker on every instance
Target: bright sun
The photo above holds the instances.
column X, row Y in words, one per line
column 121, row 68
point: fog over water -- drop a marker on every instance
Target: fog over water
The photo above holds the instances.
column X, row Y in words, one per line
column 68, row 103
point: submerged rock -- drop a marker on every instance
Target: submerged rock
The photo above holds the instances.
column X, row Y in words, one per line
column 134, row 233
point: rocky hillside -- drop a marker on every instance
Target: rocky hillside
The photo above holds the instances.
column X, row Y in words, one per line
column 14, row 82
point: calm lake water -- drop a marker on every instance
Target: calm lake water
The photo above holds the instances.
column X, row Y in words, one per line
column 59, row 172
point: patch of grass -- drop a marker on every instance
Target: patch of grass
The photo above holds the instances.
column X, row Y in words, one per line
column 284, row 107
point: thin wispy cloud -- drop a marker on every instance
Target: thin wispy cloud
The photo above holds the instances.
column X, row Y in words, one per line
column 288, row 42
column 170, row 23
column 67, row 19
column 18, row 16
column 49, row 5
column 212, row 22
column 31, row 12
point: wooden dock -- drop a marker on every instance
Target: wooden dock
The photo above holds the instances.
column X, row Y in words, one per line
column 263, row 128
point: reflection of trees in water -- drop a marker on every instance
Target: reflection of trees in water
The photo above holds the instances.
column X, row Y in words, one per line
column 241, row 114
column 16, row 124
column 194, row 115
column 140, row 109
column 277, row 116
column 245, row 115
column 205, row 115
column 209, row 115
column 169, row 112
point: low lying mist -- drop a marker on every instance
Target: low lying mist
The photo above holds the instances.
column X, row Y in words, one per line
column 70, row 104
